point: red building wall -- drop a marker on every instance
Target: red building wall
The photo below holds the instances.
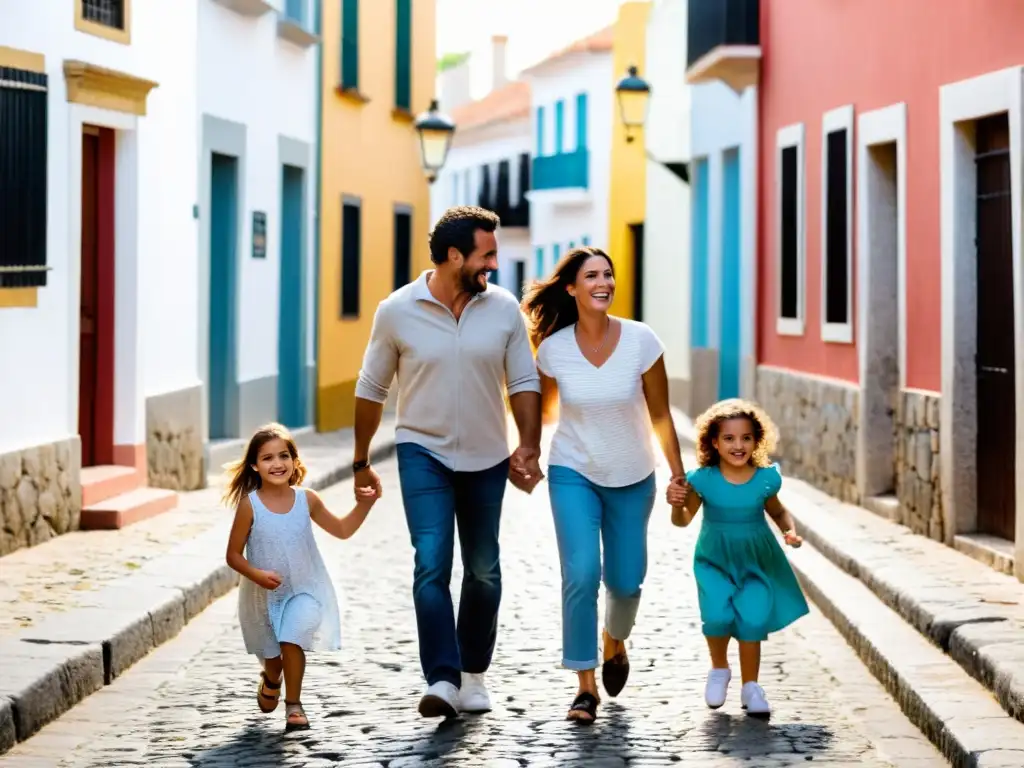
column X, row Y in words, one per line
column 823, row 54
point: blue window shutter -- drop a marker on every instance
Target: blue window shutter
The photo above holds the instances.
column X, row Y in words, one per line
column 540, row 131
column 559, row 126
column 572, row 245
column 586, row 239
column 403, row 54
column 539, row 261
column 581, row 121
column 350, row 44
column 556, row 254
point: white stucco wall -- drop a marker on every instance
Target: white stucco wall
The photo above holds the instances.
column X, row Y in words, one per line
column 667, row 225
column 459, row 183
column 156, row 258
column 723, row 120
column 249, row 75
column 555, row 216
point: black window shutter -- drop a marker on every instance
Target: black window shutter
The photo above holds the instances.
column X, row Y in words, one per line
column 837, row 257
column 351, row 250
column 790, row 258
column 403, row 248
column 23, row 157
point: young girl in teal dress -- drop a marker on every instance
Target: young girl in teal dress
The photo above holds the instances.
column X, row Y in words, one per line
column 745, row 586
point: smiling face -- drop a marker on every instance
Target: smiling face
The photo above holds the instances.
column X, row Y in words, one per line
column 274, row 463
column 736, row 441
column 475, row 268
column 594, row 288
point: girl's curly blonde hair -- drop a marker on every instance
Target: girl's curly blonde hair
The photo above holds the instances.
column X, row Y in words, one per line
column 708, row 424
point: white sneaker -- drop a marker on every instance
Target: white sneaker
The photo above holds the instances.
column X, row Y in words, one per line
column 717, row 687
column 753, row 700
column 473, row 696
column 440, row 700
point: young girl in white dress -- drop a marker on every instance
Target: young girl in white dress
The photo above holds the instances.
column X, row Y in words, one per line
column 286, row 601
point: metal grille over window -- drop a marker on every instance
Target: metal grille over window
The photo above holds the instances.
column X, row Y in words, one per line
column 23, row 150
column 109, row 13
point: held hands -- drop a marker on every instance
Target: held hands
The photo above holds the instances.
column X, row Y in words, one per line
column 366, row 496
column 791, row 538
column 267, row 579
column 524, row 470
column 366, row 478
column 677, row 491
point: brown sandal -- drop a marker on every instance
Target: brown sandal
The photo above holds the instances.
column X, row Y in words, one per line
column 297, row 720
column 269, row 692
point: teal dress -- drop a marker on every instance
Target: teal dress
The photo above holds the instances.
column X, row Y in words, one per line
column 745, row 585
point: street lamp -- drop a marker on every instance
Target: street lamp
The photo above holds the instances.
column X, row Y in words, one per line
column 634, row 96
column 435, row 131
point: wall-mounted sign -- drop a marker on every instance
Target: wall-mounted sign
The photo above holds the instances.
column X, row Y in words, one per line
column 259, row 235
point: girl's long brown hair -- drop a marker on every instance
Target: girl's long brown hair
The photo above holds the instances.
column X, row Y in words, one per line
column 547, row 304
column 709, row 423
column 243, row 477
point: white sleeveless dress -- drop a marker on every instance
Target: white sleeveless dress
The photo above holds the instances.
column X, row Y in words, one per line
column 304, row 609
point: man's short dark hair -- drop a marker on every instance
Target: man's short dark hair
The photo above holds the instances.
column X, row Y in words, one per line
column 457, row 228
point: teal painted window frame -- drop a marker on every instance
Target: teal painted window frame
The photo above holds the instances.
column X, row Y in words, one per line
column 350, row 45
column 540, row 131
column 556, row 254
column 403, row 54
column 581, row 121
column 586, row 240
column 538, row 255
column 559, row 127
column 699, row 255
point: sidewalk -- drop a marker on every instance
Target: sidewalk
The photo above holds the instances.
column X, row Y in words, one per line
column 78, row 610
column 941, row 631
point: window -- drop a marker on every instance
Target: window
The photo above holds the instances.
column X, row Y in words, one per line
column 540, row 131
column 559, row 126
column 556, row 254
column 109, row 19
column 23, row 160
column 586, row 240
column 790, row 226
column 581, row 121
column 836, row 229
column 351, row 253
column 403, row 54
column 538, row 262
column 350, row 45
column 520, row 285
column 403, row 245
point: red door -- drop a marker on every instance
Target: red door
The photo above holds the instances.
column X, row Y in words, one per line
column 96, row 313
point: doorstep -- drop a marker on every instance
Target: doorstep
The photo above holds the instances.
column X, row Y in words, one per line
column 98, row 630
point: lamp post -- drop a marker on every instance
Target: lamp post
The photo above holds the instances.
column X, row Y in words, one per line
column 634, row 94
column 435, row 132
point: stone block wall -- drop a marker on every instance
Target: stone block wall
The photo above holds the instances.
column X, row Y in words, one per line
column 174, row 440
column 918, row 486
column 40, row 493
column 818, row 423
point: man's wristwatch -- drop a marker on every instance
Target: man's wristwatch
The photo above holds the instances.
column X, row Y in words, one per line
column 360, row 465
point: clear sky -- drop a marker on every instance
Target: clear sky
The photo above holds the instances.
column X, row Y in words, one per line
column 535, row 28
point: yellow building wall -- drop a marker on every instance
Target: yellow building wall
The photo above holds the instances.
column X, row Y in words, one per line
column 370, row 152
column 627, row 196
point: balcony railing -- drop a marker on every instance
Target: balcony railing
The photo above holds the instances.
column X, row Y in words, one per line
column 495, row 192
column 565, row 171
column 723, row 42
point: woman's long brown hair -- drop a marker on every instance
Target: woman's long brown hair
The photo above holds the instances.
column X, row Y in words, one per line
column 547, row 304
column 244, row 479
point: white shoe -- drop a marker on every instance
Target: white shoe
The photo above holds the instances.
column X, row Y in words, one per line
column 473, row 696
column 440, row 700
column 753, row 700
column 717, row 686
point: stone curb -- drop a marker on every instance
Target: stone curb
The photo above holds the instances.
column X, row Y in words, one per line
column 50, row 668
column 954, row 711
column 977, row 636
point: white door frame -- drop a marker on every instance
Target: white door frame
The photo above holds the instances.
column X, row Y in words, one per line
column 875, row 440
column 960, row 104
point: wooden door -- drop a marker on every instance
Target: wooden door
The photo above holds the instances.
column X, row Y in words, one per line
column 88, row 355
column 995, row 357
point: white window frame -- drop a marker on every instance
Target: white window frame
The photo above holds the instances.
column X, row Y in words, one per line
column 792, row 136
column 838, row 119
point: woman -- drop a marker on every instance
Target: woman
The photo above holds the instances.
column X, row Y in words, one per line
column 604, row 376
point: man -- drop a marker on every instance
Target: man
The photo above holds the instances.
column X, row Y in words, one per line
column 457, row 342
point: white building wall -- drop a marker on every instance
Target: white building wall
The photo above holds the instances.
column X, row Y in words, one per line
column 459, row 184
column 723, row 120
column 156, row 259
column 667, row 225
column 249, row 75
column 561, row 216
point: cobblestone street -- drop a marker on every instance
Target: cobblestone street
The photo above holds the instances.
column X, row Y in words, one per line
column 192, row 701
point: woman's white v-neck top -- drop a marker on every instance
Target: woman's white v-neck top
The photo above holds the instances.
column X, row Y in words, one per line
column 604, row 430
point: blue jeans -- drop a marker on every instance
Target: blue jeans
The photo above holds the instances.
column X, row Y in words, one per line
column 435, row 498
column 586, row 513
